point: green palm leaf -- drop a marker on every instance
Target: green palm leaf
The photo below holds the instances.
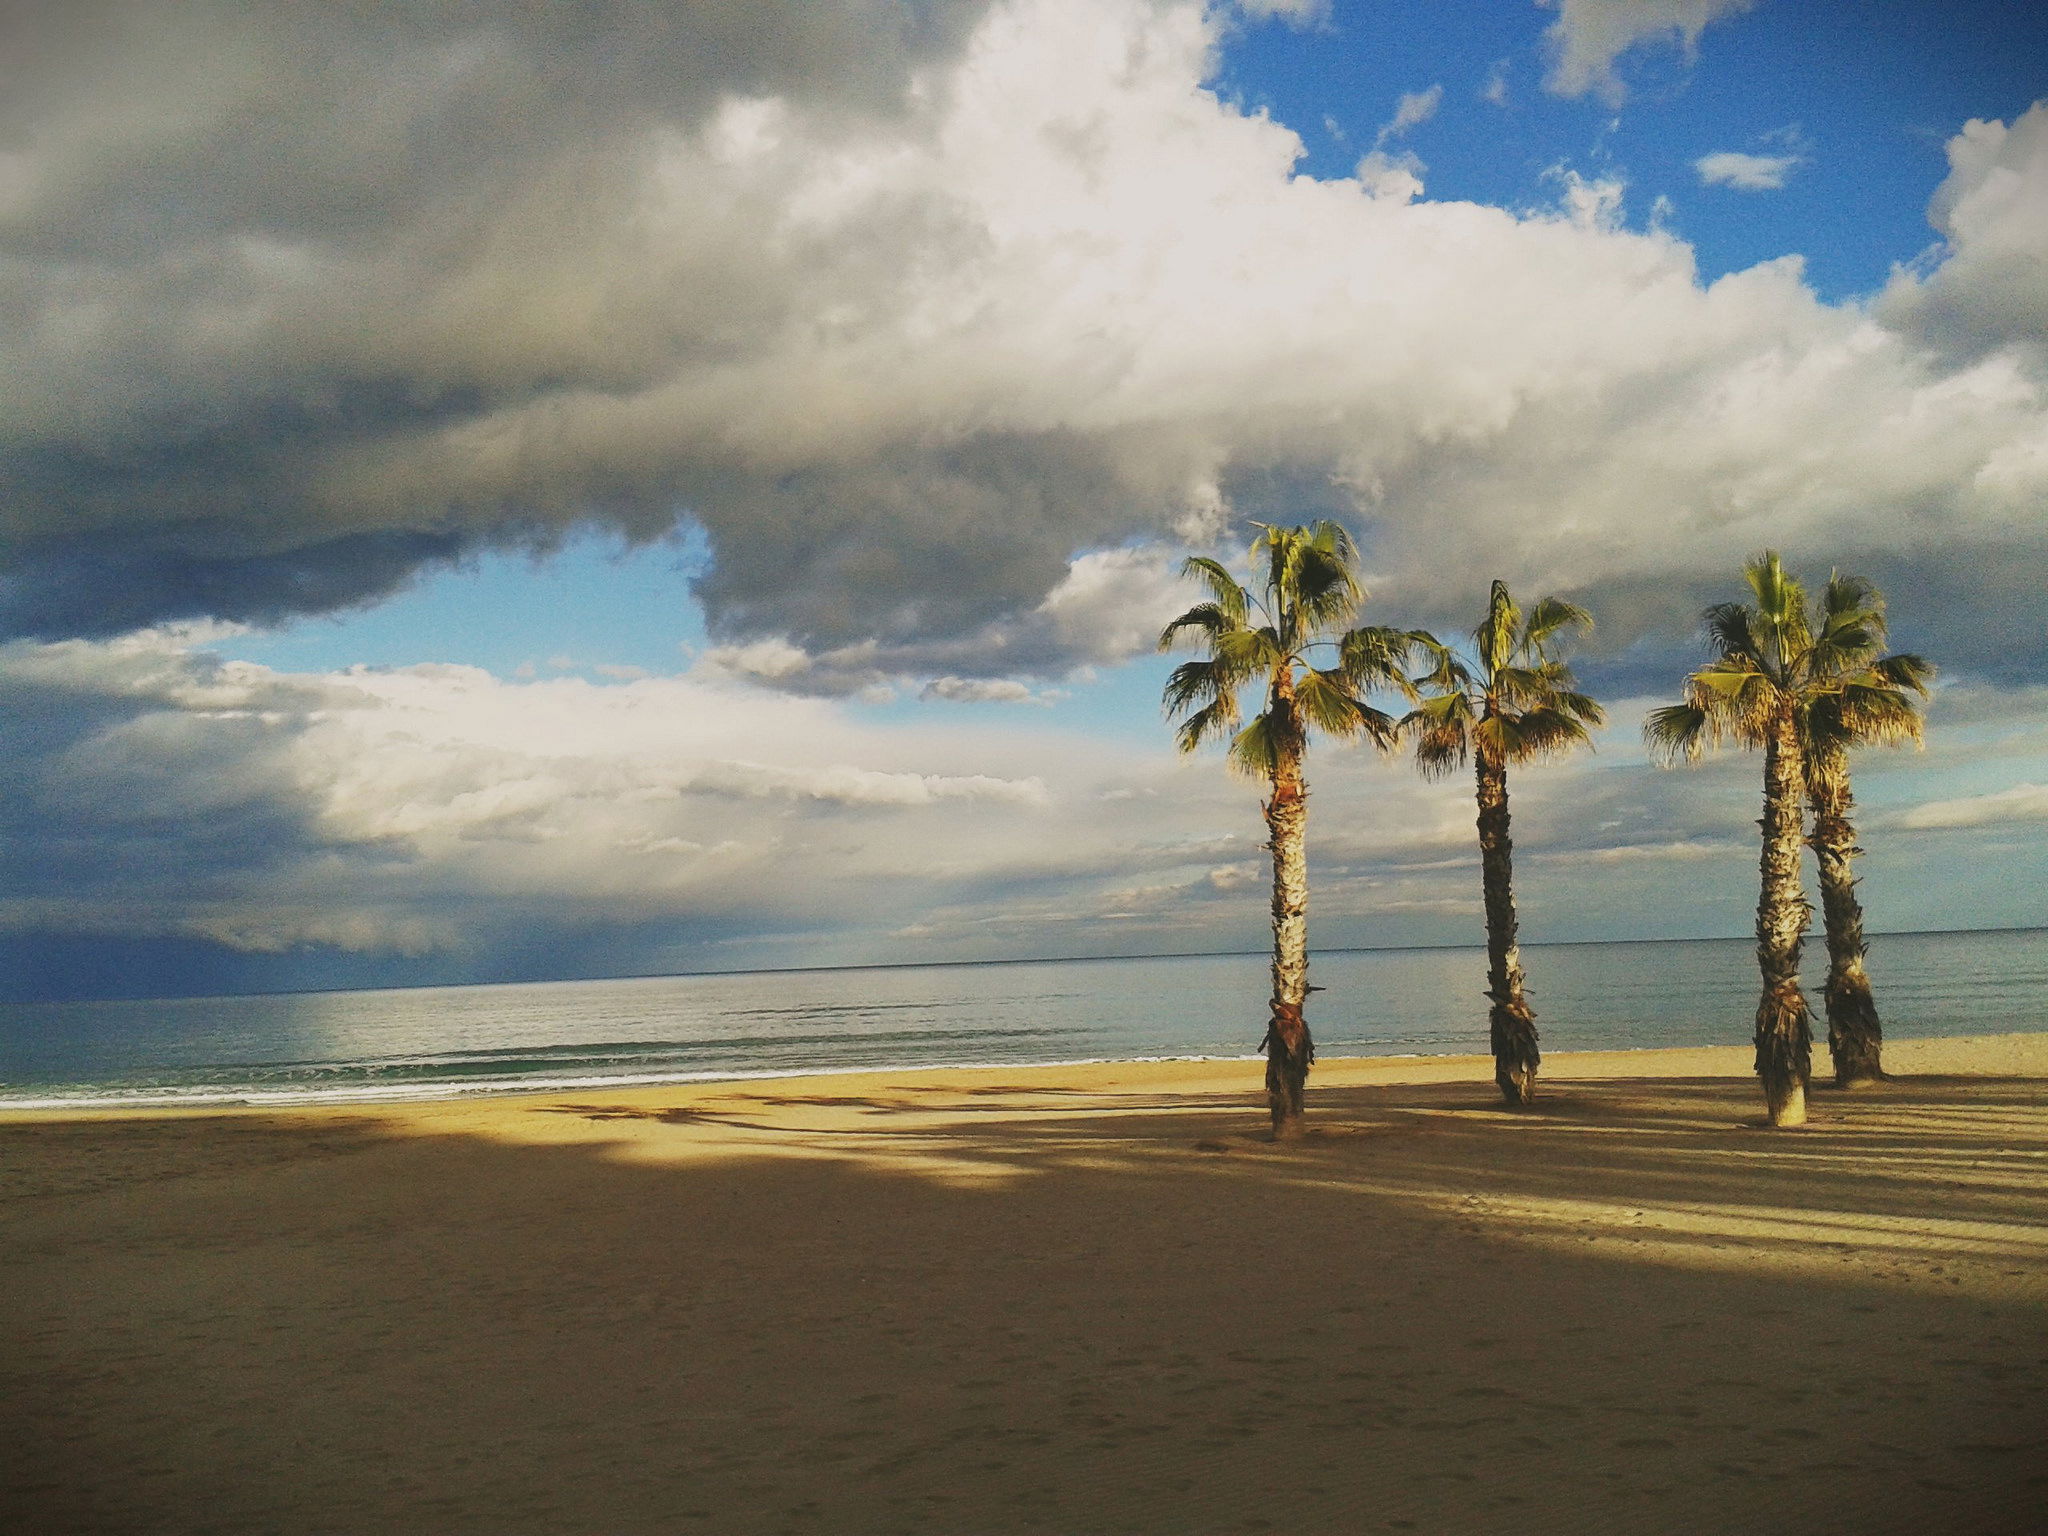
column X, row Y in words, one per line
column 1677, row 732
column 1215, row 719
column 1306, row 591
column 1255, row 751
column 1224, row 590
column 1549, row 621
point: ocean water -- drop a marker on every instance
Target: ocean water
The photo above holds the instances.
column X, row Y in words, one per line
column 440, row 1041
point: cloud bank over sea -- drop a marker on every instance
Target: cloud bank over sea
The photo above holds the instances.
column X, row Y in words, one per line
column 437, row 822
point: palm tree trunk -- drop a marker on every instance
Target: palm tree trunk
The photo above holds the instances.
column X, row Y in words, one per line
column 1855, row 1039
column 1515, row 1057
column 1287, row 1045
column 1784, row 1027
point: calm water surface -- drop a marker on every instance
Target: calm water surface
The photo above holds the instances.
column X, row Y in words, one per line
column 432, row 1042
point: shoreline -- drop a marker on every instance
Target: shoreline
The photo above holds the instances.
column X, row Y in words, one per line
column 1713, row 1060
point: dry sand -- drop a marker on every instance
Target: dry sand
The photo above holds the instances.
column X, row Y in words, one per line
column 1070, row 1300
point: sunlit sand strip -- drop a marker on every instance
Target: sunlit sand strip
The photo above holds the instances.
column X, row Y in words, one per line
column 1975, row 1255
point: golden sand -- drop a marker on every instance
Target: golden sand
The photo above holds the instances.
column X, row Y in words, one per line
column 1075, row 1300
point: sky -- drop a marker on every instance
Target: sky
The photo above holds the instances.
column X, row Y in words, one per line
column 505, row 492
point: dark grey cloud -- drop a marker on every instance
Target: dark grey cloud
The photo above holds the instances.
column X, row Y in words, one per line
column 171, row 124
column 920, row 546
column 244, row 243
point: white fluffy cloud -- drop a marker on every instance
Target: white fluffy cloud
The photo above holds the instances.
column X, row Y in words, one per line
column 1985, row 289
column 1397, row 173
column 1413, row 110
column 1589, row 36
column 977, row 690
column 1746, row 173
column 2021, row 803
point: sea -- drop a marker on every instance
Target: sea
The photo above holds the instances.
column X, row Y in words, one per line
column 442, row 1042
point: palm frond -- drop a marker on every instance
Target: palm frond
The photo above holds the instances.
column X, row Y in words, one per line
column 1376, row 656
column 1224, row 590
column 1539, row 733
column 1677, row 733
column 1254, row 751
column 1308, row 579
column 1217, row 718
column 1877, row 716
column 1209, row 619
column 1452, row 710
column 1787, row 622
column 1328, row 704
column 1334, row 539
column 1442, row 732
column 1245, row 654
column 1844, row 644
column 1493, row 642
column 1443, row 668
column 1822, row 728
column 1914, row 674
column 1780, row 599
column 1853, row 600
column 1548, row 621
column 1731, row 687
column 1326, row 538
column 1522, row 685
column 1446, row 674
column 1194, row 683
column 1730, row 629
column 1582, row 707
column 1277, row 549
column 1328, row 596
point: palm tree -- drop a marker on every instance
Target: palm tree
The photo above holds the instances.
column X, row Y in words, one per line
column 1304, row 591
column 1514, row 701
column 1771, row 666
column 1867, row 705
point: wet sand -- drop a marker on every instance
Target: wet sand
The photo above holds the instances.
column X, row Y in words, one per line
column 1075, row 1300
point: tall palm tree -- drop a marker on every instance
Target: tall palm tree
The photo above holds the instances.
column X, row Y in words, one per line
column 1513, row 701
column 1867, row 705
column 1304, row 592
column 1772, row 665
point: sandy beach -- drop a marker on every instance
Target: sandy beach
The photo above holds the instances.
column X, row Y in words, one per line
column 1073, row 1300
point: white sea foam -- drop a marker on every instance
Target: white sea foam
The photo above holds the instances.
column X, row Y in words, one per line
column 359, row 1093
